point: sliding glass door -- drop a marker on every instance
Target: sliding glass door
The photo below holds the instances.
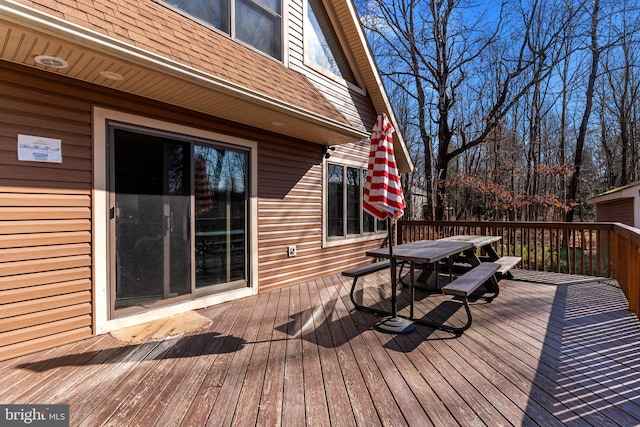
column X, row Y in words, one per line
column 177, row 218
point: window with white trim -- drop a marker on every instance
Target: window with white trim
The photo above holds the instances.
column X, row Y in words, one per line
column 345, row 216
column 257, row 23
column 322, row 44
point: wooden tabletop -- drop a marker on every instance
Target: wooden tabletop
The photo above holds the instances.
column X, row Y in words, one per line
column 478, row 241
column 426, row 251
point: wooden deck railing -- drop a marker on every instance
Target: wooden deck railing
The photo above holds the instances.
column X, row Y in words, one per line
column 626, row 263
column 595, row 249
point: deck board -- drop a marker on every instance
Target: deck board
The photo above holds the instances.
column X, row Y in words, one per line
column 340, row 412
column 363, row 342
column 251, row 390
column 270, row 407
column 245, row 329
column 551, row 349
column 316, row 409
column 361, row 404
column 220, row 347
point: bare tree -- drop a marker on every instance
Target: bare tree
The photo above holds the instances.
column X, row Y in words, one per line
column 622, row 85
column 566, row 76
column 595, row 51
column 431, row 48
column 604, row 37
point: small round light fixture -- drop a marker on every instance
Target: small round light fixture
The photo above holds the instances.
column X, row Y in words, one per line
column 51, row 61
column 111, row 75
column 277, row 124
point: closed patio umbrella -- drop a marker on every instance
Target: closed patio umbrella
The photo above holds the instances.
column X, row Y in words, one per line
column 384, row 200
column 204, row 197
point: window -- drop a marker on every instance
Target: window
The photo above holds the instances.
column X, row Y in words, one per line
column 257, row 23
column 345, row 216
column 322, row 45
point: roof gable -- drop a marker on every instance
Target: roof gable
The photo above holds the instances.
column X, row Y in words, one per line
column 359, row 48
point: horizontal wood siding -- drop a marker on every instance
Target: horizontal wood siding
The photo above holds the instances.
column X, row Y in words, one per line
column 290, row 213
column 616, row 211
column 293, row 214
column 295, row 34
column 45, row 209
column 45, row 218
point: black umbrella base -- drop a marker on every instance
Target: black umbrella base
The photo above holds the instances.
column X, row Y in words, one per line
column 396, row 325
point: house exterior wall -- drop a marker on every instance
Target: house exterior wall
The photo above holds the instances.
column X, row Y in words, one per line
column 46, row 262
column 619, row 205
column 290, row 207
column 45, row 225
column 52, row 258
column 621, row 210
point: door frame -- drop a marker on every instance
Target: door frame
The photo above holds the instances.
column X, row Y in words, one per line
column 103, row 320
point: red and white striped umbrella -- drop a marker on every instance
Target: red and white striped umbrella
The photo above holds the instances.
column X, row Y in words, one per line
column 203, row 193
column 384, row 200
column 382, row 192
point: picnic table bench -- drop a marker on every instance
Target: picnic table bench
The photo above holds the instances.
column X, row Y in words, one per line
column 506, row 263
column 462, row 287
column 432, row 252
column 468, row 283
column 363, row 270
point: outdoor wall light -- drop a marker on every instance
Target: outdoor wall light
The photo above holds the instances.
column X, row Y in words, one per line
column 326, row 150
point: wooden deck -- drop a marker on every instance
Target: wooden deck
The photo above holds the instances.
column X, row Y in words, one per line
column 550, row 350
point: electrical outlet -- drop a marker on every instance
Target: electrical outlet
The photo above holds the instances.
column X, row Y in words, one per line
column 292, row 251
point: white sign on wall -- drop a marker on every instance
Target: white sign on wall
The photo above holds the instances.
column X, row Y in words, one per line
column 39, row 149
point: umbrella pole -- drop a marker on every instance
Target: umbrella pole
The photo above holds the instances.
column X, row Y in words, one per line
column 394, row 324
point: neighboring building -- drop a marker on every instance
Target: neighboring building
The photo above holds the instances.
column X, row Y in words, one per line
column 157, row 157
column 416, row 204
column 619, row 205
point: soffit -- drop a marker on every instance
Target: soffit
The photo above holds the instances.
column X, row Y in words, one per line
column 249, row 89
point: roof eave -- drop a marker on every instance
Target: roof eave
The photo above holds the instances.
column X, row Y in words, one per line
column 291, row 120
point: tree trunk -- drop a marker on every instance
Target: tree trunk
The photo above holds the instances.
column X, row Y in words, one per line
column 582, row 133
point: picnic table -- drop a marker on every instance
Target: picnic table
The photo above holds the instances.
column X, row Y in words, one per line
column 432, row 252
column 424, row 252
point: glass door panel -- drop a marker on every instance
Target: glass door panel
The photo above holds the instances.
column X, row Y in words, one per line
column 151, row 187
column 220, row 190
